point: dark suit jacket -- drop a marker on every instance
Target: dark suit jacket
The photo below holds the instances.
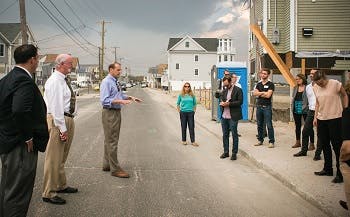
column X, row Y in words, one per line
column 235, row 102
column 22, row 112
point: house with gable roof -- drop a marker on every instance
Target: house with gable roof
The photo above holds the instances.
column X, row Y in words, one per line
column 191, row 60
column 10, row 38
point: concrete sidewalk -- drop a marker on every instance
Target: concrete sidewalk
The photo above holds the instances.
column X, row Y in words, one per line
column 295, row 173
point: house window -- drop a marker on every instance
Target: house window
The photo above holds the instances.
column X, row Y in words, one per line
column 2, row 50
column 225, row 58
column 219, row 58
column 177, row 66
column 195, row 72
column 187, row 44
column 231, row 57
column 196, row 58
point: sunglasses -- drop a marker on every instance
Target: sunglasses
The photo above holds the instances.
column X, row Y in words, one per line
column 186, row 86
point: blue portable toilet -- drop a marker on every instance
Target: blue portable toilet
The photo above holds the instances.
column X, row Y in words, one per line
column 240, row 69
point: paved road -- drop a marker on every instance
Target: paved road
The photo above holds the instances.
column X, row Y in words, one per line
column 167, row 179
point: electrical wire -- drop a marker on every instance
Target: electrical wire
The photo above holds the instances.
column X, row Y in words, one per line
column 70, row 24
column 14, row 2
column 62, row 27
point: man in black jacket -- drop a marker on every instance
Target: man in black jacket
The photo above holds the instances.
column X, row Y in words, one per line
column 231, row 101
column 23, row 132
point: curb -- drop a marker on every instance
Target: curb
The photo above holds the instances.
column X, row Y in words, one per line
column 276, row 175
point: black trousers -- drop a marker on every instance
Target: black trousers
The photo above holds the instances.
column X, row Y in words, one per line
column 328, row 131
column 298, row 121
column 308, row 132
column 187, row 118
column 17, row 181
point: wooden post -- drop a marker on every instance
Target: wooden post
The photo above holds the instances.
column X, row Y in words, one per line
column 303, row 66
column 273, row 54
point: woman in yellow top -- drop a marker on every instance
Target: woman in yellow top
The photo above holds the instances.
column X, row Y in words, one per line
column 186, row 106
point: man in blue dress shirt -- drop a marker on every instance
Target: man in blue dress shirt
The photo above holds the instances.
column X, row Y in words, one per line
column 112, row 99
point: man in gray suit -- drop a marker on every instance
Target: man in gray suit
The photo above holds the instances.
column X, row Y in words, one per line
column 23, row 132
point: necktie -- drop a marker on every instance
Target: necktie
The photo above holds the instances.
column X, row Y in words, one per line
column 118, row 86
column 72, row 96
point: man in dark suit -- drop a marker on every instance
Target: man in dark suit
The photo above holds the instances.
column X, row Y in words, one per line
column 231, row 100
column 23, row 132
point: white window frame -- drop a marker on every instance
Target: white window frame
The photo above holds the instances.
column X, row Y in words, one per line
column 196, row 70
column 3, row 45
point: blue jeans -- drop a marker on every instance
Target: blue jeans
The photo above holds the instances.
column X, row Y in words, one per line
column 187, row 118
column 264, row 114
column 227, row 126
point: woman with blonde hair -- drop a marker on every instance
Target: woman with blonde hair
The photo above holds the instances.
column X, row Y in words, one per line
column 186, row 106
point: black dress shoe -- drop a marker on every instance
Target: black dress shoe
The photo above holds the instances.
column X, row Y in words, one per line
column 324, row 173
column 55, row 200
column 316, row 158
column 343, row 204
column 300, row 154
column 224, row 155
column 234, row 157
column 338, row 179
column 68, row 190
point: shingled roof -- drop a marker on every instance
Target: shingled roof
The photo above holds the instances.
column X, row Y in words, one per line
column 209, row 44
column 10, row 30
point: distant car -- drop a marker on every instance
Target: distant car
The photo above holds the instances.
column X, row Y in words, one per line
column 143, row 85
column 128, row 85
column 123, row 86
column 76, row 89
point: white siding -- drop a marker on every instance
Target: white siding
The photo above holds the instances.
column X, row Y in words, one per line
column 187, row 68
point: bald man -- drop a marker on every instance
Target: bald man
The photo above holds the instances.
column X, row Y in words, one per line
column 61, row 109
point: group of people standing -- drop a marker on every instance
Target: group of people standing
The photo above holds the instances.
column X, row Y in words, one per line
column 30, row 122
column 320, row 104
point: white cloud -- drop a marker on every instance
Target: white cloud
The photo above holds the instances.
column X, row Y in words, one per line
column 225, row 19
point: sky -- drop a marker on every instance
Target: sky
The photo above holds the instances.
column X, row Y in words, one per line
column 140, row 29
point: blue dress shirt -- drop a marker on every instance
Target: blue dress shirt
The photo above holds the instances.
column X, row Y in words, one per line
column 110, row 91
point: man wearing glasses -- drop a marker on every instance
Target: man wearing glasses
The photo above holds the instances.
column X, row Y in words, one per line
column 61, row 109
column 112, row 99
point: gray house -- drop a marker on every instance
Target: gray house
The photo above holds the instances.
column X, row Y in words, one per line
column 305, row 33
column 10, row 38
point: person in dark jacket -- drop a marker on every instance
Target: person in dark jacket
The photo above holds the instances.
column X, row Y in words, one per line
column 23, row 132
column 231, row 101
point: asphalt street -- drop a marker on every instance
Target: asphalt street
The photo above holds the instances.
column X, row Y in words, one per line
column 167, row 178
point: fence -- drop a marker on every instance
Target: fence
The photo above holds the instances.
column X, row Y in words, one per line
column 204, row 97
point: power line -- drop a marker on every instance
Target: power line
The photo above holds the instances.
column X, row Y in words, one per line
column 74, row 13
column 61, row 26
column 54, row 36
column 13, row 3
column 70, row 23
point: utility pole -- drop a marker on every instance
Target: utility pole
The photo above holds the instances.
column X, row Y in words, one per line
column 102, row 47
column 22, row 11
column 115, row 53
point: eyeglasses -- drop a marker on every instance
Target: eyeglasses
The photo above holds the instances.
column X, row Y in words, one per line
column 186, row 86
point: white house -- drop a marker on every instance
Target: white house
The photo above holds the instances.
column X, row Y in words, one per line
column 226, row 52
column 191, row 60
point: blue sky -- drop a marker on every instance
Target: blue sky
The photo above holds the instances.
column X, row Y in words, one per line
column 141, row 29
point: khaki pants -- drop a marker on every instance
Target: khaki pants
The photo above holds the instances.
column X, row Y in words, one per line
column 55, row 158
column 111, row 121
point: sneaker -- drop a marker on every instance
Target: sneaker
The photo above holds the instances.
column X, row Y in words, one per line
column 258, row 144
column 271, row 145
column 184, row 142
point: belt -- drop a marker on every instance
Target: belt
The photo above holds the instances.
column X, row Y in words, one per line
column 263, row 106
column 108, row 108
column 68, row 115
